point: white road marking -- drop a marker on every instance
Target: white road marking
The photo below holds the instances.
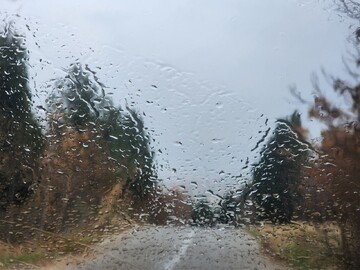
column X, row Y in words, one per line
column 171, row 263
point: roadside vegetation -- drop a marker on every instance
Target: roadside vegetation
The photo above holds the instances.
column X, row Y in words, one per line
column 303, row 245
column 87, row 170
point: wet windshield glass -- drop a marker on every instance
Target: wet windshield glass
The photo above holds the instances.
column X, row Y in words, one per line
column 179, row 134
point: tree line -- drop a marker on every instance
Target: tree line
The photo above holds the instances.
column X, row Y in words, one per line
column 60, row 175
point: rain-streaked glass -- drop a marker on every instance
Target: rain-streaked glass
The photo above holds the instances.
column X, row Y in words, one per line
column 179, row 134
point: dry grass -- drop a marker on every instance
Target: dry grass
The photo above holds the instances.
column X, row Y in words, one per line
column 19, row 255
column 47, row 249
column 302, row 245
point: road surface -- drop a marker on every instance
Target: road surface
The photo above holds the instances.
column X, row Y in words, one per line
column 175, row 248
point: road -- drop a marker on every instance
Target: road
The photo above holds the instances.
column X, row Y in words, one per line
column 174, row 248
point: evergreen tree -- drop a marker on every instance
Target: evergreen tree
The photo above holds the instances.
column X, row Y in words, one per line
column 79, row 104
column 278, row 174
column 129, row 144
column 76, row 101
column 229, row 207
column 203, row 213
column 20, row 135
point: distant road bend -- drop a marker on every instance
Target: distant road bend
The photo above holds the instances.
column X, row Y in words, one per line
column 173, row 248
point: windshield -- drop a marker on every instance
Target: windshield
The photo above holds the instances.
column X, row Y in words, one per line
column 179, row 134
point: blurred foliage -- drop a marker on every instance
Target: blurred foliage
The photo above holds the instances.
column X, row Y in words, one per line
column 21, row 140
column 92, row 157
column 203, row 212
column 165, row 207
column 92, row 146
column 79, row 103
column 335, row 173
column 230, row 207
column 349, row 7
column 77, row 98
column 276, row 178
column 129, row 142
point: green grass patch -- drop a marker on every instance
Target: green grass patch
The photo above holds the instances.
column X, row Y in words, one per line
column 310, row 256
column 87, row 240
column 32, row 257
column 254, row 232
column 25, row 258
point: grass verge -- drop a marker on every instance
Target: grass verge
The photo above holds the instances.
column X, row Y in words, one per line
column 46, row 248
column 302, row 245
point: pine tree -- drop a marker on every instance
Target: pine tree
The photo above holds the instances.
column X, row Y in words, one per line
column 278, row 174
column 21, row 140
column 79, row 105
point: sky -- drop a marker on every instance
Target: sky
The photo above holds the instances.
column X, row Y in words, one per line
column 210, row 77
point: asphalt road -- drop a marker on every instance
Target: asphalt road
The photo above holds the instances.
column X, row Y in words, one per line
column 174, row 248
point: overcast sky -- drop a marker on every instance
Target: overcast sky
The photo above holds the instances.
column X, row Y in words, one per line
column 221, row 68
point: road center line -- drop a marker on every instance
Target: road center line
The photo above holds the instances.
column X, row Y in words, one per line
column 182, row 251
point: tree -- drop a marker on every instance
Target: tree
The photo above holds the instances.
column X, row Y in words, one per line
column 129, row 144
column 95, row 146
column 350, row 8
column 76, row 101
column 139, row 158
column 21, row 140
column 336, row 170
column 229, row 209
column 80, row 103
column 203, row 213
column 277, row 176
column 335, row 173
